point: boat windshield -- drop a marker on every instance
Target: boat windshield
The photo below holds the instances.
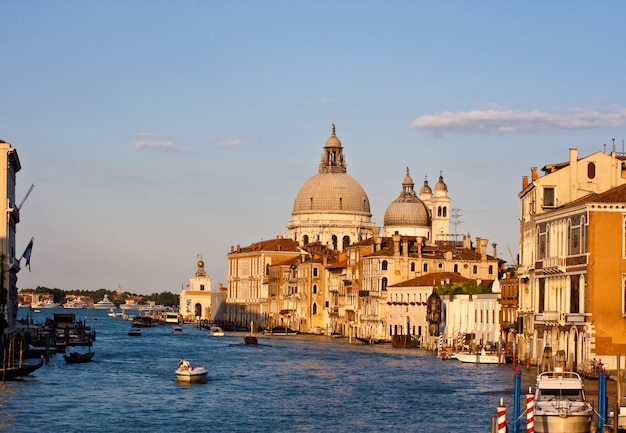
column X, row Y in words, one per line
column 570, row 394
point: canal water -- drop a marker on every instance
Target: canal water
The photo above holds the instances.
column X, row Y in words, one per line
column 284, row 384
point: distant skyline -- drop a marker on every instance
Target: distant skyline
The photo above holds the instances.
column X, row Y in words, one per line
column 155, row 131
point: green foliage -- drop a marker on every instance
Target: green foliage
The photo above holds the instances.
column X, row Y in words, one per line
column 465, row 288
column 165, row 298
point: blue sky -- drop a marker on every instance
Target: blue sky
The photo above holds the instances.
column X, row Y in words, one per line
column 155, row 131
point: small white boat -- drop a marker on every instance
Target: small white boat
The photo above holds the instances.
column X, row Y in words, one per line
column 216, row 331
column 134, row 332
column 112, row 313
column 191, row 373
column 560, row 403
column 177, row 330
column 481, row 357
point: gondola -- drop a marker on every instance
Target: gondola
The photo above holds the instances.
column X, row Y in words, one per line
column 77, row 358
column 12, row 373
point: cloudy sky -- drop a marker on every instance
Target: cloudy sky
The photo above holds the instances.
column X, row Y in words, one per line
column 156, row 131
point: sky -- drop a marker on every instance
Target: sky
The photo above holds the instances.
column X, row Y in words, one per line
column 156, row 132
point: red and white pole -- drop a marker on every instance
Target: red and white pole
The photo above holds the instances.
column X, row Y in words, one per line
column 501, row 417
column 530, row 412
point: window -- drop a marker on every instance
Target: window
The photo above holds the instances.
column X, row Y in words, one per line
column 456, row 267
column 412, row 267
column 574, row 306
column 383, row 284
column 315, row 271
column 591, row 170
column 542, row 295
column 383, row 265
column 315, row 289
column 490, row 269
column 314, row 308
column 425, row 267
column 623, row 295
column 549, row 196
column 474, row 269
column 334, row 242
column 201, row 286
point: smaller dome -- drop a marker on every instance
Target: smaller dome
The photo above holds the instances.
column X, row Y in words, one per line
column 441, row 189
column 407, row 210
column 426, row 189
column 333, row 140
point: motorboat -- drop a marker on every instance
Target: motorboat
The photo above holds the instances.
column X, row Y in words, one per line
column 216, row 331
column 105, row 304
column 481, row 357
column 186, row 372
column 113, row 313
column 134, row 331
column 77, row 358
column 177, row 330
column 560, row 403
column 144, row 321
column 250, row 339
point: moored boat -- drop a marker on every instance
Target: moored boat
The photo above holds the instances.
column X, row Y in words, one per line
column 402, row 341
column 481, row 357
column 19, row 371
column 134, row 331
column 560, row 403
column 104, row 304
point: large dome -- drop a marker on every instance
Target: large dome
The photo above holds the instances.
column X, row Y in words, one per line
column 330, row 192
column 407, row 210
column 331, row 207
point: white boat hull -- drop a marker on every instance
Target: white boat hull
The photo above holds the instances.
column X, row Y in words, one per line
column 562, row 424
column 478, row 358
column 196, row 374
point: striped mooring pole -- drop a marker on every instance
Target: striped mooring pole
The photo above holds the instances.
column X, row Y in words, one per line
column 501, row 417
column 530, row 412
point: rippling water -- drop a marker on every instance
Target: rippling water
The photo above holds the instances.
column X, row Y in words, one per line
column 295, row 384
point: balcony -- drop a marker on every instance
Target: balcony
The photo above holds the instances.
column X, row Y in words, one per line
column 554, row 265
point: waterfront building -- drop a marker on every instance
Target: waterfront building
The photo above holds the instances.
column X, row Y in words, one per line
column 572, row 269
column 248, row 279
column 195, row 299
column 10, row 163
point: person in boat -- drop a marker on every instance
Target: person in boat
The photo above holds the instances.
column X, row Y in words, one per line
column 184, row 364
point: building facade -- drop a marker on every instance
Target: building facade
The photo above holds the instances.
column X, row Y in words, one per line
column 195, row 299
column 10, row 260
column 571, row 268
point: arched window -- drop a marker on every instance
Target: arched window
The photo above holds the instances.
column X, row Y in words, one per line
column 591, row 170
column 445, row 211
column 383, row 284
column 383, row 265
column 412, row 267
column 305, row 239
column 346, row 243
column 315, row 289
column 334, row 242
column 314, row 308
column 439, row 212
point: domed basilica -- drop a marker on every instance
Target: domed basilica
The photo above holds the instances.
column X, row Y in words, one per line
column 333, row 209
column 336, row 273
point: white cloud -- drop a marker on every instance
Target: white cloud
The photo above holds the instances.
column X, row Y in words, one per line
column 230, row 143
column 321, row 100
column 168, row 146
column 507, row 120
